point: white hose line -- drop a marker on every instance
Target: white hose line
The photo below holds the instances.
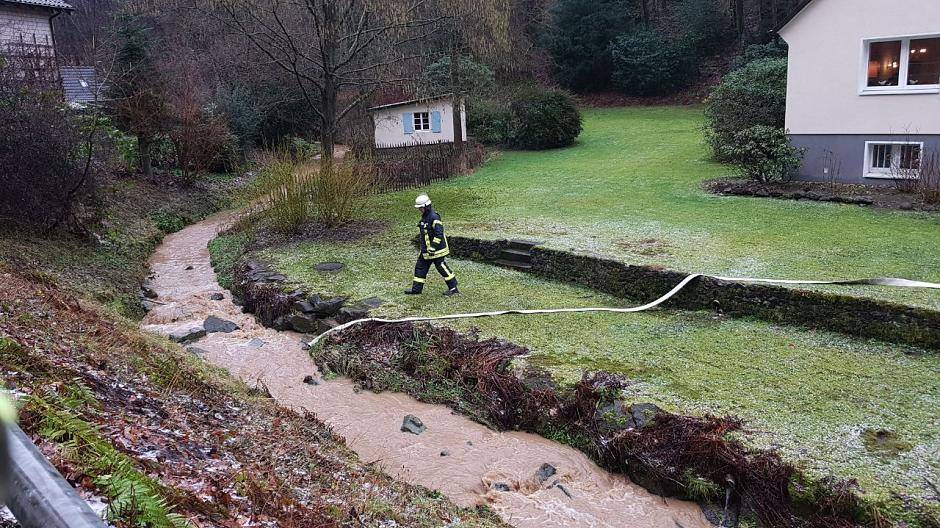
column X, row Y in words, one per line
column 901, row 283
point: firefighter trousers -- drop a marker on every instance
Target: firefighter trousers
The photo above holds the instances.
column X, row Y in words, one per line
column 424, row 266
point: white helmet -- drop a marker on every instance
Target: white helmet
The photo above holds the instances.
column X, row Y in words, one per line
column 422, row 201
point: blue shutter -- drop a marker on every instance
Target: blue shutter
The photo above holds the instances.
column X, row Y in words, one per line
column 409, row 119
column 436, row 122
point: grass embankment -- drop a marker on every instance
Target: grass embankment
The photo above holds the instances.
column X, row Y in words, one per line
column 163, row 439
column 630, row 189
column 108, row 264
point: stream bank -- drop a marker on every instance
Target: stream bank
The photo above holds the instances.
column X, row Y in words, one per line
column 478, row 464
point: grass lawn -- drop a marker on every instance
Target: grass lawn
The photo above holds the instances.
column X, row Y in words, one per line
column 630, row 189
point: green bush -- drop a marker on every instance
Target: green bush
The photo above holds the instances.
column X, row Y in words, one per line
column 475, row 79
column 489, row 121
column 543, row 119
column 763, row 153
column 753, row 95
column 756, row 52
column 645, row 63
column 580, row 38
column 169, row 221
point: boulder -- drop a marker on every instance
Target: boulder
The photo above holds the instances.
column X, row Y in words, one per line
column 303, row 323
column 325, row 325
column 214, row 325
column 352, row 313
column 328, row 266
column 189, row 268
column 254, row 265
column 618, row 415
column 196, row 351
column 545, row 472
column 643, row 414
column 148, row 291
column 327, row 308
column 303, row 307
column 188, row 335
column 445, row 453
column 412, row 424
column 310, row 380
column 280, row 324
column 217, row 297
column 373, row 302
column 499, row 486
column 255, row 343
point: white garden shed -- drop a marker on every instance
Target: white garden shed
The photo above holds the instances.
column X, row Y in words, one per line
column 417, row 122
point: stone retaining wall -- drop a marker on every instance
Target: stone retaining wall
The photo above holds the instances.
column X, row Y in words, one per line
column 854, row 316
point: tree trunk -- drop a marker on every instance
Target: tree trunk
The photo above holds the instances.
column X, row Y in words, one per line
column 459, row 146
column 328, row 94
column 646, row 12
column 739, row 16
column 144, row 144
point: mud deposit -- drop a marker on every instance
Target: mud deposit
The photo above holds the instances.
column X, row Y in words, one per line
column 467, row 462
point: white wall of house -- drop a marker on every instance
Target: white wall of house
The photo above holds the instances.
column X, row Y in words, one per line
column 25, row 22
column 396, row 125
column 827, row 91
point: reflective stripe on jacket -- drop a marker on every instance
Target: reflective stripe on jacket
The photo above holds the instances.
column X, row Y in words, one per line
column 433, row 240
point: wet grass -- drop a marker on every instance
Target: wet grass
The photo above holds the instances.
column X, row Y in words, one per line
column 810, row 394
column 631, row 189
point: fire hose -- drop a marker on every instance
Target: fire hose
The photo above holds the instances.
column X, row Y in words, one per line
column 881, row 281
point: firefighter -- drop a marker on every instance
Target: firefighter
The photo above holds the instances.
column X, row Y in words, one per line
column 434, row 249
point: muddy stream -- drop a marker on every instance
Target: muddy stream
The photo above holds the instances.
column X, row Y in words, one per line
column 477, row 456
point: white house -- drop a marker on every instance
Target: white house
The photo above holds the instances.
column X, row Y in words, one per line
column 417, row 122
column 864, row 87
column 26, row 32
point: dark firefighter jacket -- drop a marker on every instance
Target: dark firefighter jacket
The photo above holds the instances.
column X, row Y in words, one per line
column 432, row 239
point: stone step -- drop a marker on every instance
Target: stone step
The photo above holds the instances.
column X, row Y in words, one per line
column 513, row 264
column 516, row 255
column 522, row 245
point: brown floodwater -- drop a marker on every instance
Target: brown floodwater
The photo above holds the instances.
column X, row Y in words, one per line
column 477, row 457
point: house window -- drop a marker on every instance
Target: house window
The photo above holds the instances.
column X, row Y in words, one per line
column 422, row 121
column 902, row 65
column 893, row 160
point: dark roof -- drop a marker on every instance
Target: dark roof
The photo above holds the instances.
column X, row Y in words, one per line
column 51, row 4
column 796, row 11
column 412, row 101
column 80, row 84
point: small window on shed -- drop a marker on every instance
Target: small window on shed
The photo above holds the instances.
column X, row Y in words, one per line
column 422, row 121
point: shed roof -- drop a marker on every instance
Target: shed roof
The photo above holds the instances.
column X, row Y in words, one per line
column 51, row 4
column 412, row 101
column 80, row 84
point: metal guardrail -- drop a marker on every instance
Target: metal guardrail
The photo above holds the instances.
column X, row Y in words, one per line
column 35, row 492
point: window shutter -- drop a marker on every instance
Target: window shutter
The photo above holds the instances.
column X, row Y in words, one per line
column 409, row 120
column 436, row 122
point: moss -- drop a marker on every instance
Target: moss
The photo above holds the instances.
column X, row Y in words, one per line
column 885, row 442
column 225, row 252
column 700, row 489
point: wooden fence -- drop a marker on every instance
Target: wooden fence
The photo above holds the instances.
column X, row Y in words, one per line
column 408, row 166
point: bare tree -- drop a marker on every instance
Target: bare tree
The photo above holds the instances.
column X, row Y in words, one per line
column 476, row 27
column 337, row 52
